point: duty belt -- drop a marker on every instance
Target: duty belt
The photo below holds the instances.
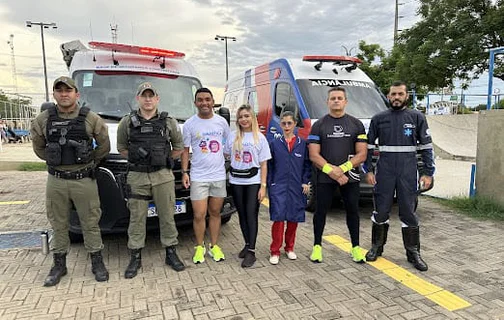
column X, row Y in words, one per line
column 72, row 175
column 145, row 168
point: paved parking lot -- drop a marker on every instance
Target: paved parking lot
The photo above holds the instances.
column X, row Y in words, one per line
column 466, row 258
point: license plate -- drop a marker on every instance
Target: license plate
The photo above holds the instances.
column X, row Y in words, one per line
column 180, row 207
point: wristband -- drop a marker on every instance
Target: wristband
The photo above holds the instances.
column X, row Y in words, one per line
column 263, row 185
column 347, row 166
column 327, row 168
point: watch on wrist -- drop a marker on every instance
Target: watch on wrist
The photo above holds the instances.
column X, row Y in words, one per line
column 185, row 171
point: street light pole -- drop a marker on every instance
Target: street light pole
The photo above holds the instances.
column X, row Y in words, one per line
column 225, row 39
column 490, row 74
column 43, row 26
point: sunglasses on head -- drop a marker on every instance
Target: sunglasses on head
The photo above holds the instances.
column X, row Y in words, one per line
column 287, row 123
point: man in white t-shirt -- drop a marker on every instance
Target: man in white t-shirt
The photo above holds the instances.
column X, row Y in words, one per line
column 206, row 134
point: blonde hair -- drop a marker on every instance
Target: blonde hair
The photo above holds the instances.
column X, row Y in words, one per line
column 237, row 144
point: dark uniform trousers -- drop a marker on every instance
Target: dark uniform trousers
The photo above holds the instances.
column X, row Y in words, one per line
column 160, row 186
column 60, row 193
column 396, row 173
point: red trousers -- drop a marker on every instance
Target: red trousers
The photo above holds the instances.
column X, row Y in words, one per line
column 277, row 235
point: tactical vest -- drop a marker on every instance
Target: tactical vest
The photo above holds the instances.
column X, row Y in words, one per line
column 67, row 140
column 149, row 147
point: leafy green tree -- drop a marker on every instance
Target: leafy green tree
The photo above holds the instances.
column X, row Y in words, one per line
column 498, row 105
column 377, row 65
column 386, row 67
column 451, row 41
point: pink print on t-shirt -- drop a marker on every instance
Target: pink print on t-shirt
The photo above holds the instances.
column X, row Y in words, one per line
column 214, row 146
column 247, row 157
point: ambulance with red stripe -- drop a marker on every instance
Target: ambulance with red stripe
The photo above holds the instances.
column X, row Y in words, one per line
column 301, row 86
column 107, row 76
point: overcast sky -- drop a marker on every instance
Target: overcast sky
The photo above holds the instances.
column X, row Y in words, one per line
column 264, row 30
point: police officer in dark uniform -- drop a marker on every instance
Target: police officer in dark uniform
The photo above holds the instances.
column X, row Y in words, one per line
column 63, row 136
column 150, row 139
column 400, row 132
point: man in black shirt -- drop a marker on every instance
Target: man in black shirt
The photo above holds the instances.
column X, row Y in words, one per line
column 338, row 144
column 400, row 132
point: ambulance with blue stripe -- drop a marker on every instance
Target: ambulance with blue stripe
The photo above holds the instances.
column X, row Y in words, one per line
column 301, row 86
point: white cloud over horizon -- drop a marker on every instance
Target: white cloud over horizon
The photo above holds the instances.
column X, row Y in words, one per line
column 265, row 30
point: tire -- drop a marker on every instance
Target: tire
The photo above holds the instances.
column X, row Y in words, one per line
column 311, row 202
column 75, row 237
column 225, row 220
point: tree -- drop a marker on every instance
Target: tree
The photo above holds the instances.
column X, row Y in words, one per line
column 385, row 68
column 451, row 41
column 377, row 64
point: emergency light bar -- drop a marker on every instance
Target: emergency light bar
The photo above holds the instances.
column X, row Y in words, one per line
column 335, row 59
column 126, row 48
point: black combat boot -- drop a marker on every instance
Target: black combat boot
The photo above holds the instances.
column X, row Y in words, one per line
column 173, row 260
column 411, row 239
column 378, row 240
column 58, row 270
column 98, row 268
column 134, row 264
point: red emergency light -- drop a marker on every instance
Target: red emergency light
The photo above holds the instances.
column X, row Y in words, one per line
column 126, row 48
column 337, row 59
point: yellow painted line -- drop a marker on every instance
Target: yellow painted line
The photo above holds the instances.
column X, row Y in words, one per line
column 13, row 202
column 432, row 292
column 448, row 300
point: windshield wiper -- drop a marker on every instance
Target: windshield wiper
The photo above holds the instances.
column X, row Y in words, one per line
column 110, row 116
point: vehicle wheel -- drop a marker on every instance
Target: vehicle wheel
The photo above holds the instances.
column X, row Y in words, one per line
column 311, row 202
column 225, row 220
column 75, row 237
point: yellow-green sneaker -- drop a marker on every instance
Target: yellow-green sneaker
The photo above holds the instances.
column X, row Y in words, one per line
column 199, row 254
column 357, row 255
column 216, row 253
column 316, row 255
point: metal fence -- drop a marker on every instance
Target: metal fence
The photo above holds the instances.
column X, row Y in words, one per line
column 450, row 103
column 17, row 116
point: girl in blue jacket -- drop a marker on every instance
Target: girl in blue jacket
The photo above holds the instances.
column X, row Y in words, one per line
column 289, row 171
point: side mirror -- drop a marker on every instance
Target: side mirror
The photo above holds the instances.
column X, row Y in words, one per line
column 224, row 112
column 46, row 105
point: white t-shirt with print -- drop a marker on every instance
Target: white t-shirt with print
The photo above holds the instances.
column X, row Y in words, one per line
column 250, row 156
column 207, row 138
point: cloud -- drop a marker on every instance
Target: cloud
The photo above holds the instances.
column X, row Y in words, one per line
column 264, row 29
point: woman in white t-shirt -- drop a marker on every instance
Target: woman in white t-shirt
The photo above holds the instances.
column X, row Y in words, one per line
column 250, row 153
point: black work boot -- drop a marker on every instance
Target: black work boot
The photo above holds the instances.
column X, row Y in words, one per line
column 173, row 260
column 243, row 251
column 98, row 268
column 378, row 239
column 134, row 264
column 249, row 259
column 411, row 239
column 58, row 270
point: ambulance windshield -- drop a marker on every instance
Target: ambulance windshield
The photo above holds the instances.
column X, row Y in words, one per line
column 364, row 99
column 113, row 93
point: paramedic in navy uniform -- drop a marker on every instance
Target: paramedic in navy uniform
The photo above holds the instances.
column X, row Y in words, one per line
column 338, row 144
column 400, row 132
